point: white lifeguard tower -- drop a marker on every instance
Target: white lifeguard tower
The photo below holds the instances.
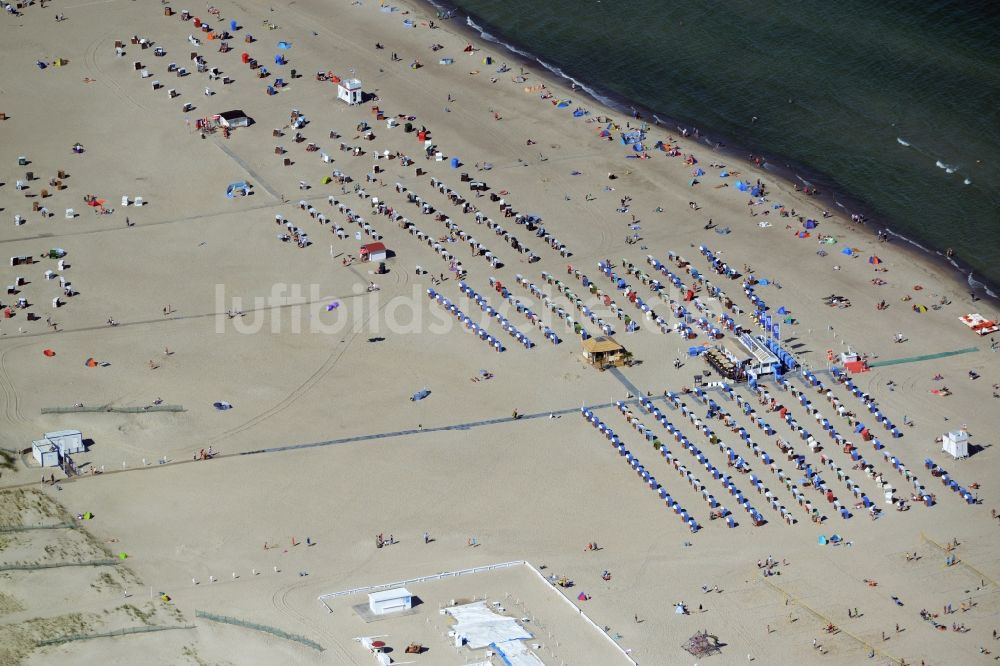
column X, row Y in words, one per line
column 956, row 444
column 349, row 90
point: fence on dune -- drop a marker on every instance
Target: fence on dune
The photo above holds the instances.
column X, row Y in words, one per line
column 124, row 631
column 274, row 631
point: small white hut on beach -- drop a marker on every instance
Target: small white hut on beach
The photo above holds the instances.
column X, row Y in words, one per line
column 390, row 601
column 50, row 450
column 349, row 90
column 956, row 444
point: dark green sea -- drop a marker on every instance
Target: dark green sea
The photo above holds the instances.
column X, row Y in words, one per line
column 890, row 107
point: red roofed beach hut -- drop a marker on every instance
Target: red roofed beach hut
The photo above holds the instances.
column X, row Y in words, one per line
column 373, row 252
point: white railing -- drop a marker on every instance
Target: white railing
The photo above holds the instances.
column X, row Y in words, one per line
column 580, row 612
column 420, row 579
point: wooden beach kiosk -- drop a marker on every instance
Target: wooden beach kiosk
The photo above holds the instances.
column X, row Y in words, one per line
column 603, row 352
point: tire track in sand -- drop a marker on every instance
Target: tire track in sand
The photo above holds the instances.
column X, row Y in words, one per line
column 280, row 602
column 90, row 61
column 12, row 404
column 303, row 388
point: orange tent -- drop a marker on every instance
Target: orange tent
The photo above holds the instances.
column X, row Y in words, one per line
column 91, row 363
column 49, row 352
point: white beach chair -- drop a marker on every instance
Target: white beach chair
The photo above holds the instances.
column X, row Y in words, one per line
column 124, row 200
column 70, row 213
column 139, row 202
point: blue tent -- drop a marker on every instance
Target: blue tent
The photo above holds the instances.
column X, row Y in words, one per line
column 741, row 186
column 809, row 224
column 420, row 395
column 284, row 45
column 848, row 251
column 242, row 187
column 782, row 310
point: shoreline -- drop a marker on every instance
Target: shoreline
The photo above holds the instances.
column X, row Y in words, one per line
column 832, row 196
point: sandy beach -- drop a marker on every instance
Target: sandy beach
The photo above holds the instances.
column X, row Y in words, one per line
column 246, row 392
